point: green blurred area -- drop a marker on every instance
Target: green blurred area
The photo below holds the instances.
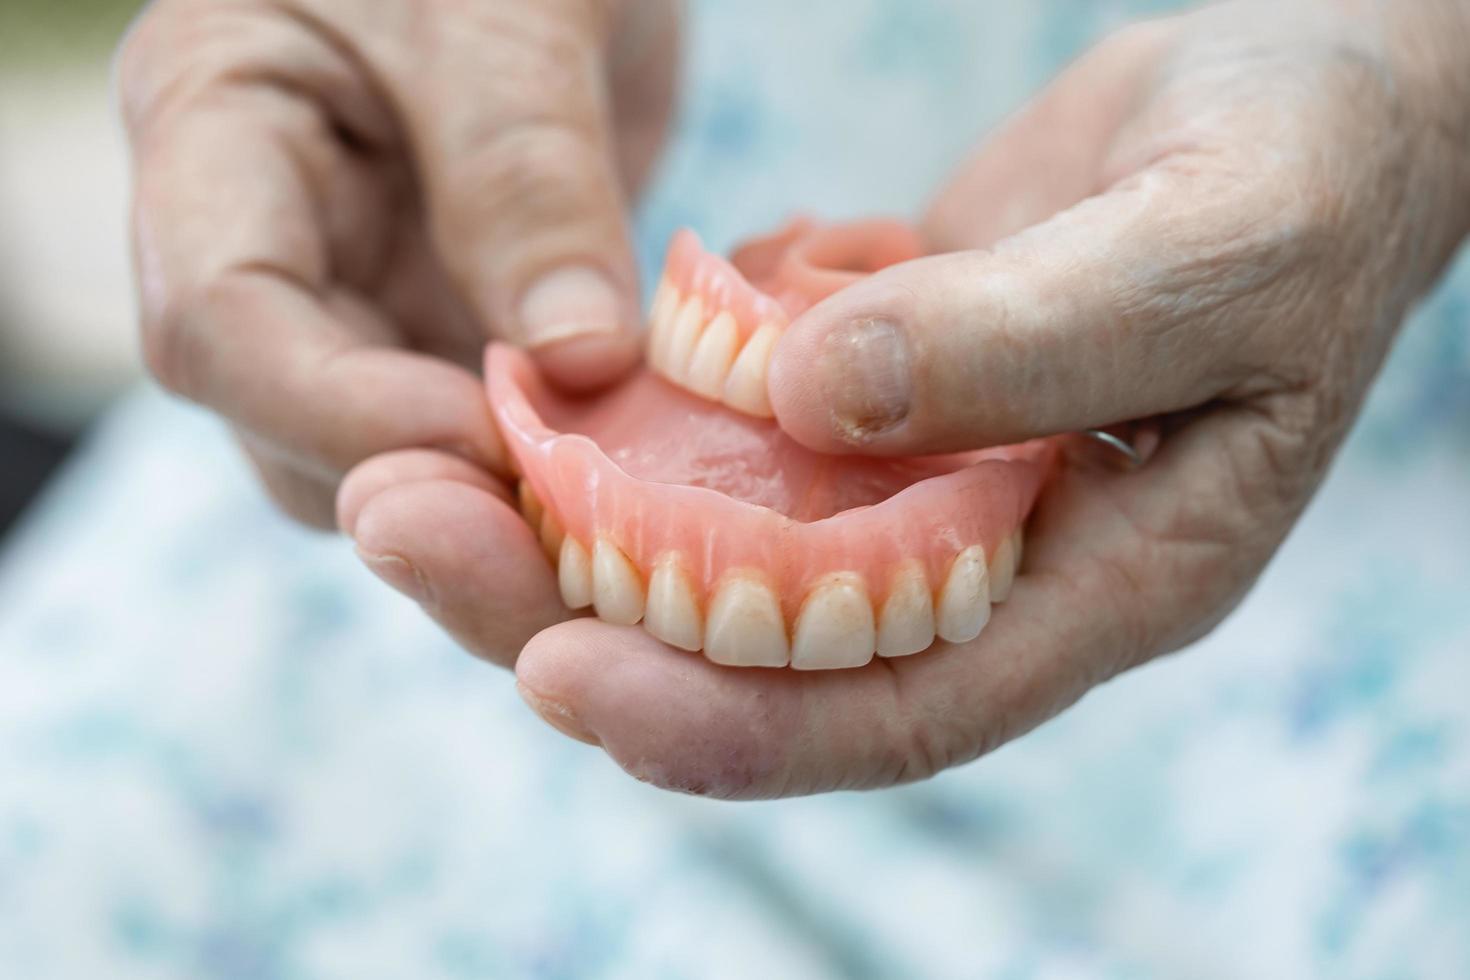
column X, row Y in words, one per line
column 53, row 34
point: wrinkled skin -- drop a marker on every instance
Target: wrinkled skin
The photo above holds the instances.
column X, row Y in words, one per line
column 1218, row 219
column 338, row 202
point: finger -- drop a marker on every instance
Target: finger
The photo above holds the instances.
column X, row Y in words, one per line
column 280, row 362
column 1141, row 301
column 1070, row 323
column 683, row 723
column 467, row 558
column 642, row 70
column 521, row 179
column 240, row 312
column 300, row 494
column 402, row 467
column 1122, row 567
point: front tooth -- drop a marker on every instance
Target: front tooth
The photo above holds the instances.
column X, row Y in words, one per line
column 617, row 588
column 745, row 388
column 574, row 574
column 552, row 535
column 835, row 626
column 531, row 507
column 1003, row 569
column 712, row 356
column 906, row 624
column 661, row 321
column 964, row 602
column 673, row 614
column 745, row 627
column 688, row 323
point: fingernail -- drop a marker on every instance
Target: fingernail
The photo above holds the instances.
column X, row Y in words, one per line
column 401, row 574
column 575, row 301
column 865, row 370
column 557, row 715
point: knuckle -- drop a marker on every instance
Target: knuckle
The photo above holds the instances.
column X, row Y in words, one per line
column 541, row 168
column 166, row 330
column 300, row 497
column 137, row 62
column 177, row 336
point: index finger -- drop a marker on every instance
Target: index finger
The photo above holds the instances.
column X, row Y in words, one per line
column 241, row 307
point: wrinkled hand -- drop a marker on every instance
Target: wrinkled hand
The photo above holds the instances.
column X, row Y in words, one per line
column 1218, row 220
column 338, row 201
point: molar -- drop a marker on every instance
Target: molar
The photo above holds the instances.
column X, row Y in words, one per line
column 745, row 628
column 906, row 623
column 574, row 574
column 710, row 362
column 617, row 588
column 835, row 626
column 745, row 388
column 964, row 601
column 673, row 613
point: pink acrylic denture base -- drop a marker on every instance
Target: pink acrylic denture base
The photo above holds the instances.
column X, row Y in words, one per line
column 583, row 460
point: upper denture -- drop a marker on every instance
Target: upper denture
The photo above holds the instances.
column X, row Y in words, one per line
column 662, row 505
column 714, row 323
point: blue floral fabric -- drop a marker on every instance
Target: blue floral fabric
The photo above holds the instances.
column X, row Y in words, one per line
column 227, row 751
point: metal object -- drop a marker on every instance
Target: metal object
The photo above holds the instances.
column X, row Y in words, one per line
column 1115, row 443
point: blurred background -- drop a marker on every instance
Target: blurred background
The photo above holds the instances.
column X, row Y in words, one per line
column 227, row 751
column 67, row 344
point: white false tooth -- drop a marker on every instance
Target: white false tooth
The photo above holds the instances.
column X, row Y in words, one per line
column 964, row 602
column 673, row 613
column 710, row 364
column 655, row 351
column 906, row 624
column 835, row 626
column 574, row 574
column 531, row 507
column 744, row 628
column 683, row 336
column 552, row 535
column 1003, row 569
column 617, row 588
column 661, row 321
column 745, row 388
column 665, row 301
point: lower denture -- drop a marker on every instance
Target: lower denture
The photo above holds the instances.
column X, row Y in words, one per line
column 673, row 500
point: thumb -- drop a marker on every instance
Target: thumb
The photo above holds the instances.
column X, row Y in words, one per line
column 507, row 113
column 1128, row 305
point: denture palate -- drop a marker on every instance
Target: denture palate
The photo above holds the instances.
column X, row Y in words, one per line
column 673, row 501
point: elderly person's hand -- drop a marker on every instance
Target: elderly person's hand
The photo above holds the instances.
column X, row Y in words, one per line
column 1217, row 220
column 339, row 201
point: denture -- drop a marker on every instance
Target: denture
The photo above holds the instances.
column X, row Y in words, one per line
column 673, row 500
